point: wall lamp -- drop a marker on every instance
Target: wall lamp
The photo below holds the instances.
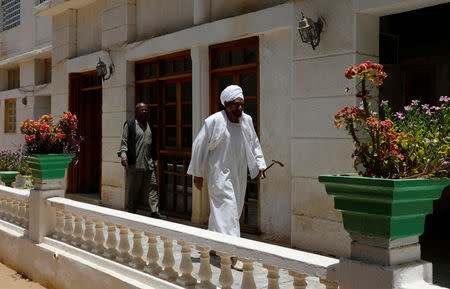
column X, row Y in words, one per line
column 310, row 31
column 102, row 71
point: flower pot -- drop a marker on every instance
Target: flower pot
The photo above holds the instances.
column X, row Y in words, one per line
column 49, row 166
column 8, row 177
column 383, row 208
column 22, row 180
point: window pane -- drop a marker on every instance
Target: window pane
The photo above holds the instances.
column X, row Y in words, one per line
column 178, row 65
column 250, row 54
column 188, row 64
column 153, row 69
column 168, row 67
column 224, row 81
column 249, row 84
column 236, row 57
column 251, row 108
column 223, row 59
column 187, row 113
column 168, row 181
column 171, row 92
column 171, row 136
column 251, row 215
column 186, row 91
column 252, row 193
column 187, row 137
column 179, row 203
column 171, row 114
column 153, row 115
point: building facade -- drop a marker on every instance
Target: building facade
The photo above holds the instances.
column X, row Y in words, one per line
column 176, row 56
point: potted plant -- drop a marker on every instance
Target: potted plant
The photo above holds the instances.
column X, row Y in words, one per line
column 8, row 166
column 51, row 147
column 402, row 160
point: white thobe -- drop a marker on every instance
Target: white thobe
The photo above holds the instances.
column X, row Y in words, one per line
column 226, row 149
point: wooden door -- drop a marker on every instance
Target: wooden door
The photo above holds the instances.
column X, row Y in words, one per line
column 86, row 102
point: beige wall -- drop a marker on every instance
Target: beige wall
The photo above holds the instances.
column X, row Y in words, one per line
column 227, row 8
column 166, row 16
column 89, row 28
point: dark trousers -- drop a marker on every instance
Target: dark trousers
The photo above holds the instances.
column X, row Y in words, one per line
column 141, row 183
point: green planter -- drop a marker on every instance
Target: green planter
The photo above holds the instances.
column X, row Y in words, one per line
column 49, row 166
column 8, row 177
column 383, row 208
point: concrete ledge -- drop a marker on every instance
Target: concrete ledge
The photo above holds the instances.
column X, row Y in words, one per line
column 57, row 265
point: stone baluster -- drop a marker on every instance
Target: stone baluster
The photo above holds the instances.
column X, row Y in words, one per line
column 15, row 212
column 2, row 207
column 168, row 261
column 59, row 226
column 329, row 284
column 78, row 231
column 68, row 227
column 273, row 276
column 226, row 277
column 299, row 280
column 99, row 239
column 27, row 214
column 248, row 281
column 186, row 267
column 204, row 273
column 9, row 210
column 88, row 236
column 111, row 242
column 21, row 213
column 124, row 246
column 152, row 267
column 137, row 262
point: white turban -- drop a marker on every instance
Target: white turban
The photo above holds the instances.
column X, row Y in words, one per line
column 230, row 93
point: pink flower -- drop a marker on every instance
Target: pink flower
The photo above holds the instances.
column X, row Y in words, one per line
column 383, row 103
column 399, row 115
column 415, row 102
column 444, row 99
column 408, row 108
column 424, row 106
column 429, row 112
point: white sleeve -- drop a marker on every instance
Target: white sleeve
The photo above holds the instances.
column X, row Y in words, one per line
column 257, row 151
column 199, row 153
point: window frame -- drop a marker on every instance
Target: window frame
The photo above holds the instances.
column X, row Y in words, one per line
column 7, row 116
column 14, row 78
column 13, row 17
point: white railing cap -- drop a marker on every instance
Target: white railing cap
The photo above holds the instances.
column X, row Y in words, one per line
column 282, row 257
column 14, row 193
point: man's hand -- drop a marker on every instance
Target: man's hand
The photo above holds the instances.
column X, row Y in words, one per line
column 198, row 182
column 124, row 162
column 262, row 174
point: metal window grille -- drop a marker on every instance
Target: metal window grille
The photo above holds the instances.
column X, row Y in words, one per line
column 10, row 14
column 40, row 1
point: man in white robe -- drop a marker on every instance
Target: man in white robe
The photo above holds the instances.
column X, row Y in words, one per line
column 226, row 146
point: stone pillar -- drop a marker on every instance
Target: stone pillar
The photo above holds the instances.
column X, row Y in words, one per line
column 200, row 111
column 42, row 217
column 383, row 264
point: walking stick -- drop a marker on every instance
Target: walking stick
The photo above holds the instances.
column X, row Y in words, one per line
column 274, row 162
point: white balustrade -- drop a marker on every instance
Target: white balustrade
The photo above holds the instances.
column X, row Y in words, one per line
column 329, row 284
column 111, row 242
column 248, row 280
column 78, row 231
column 299, row 280
column 273, row 276
column 99, row 239
column 59, row 226
column 168, row 261
column 186, row 267
column 137, row 262
column 124, row 246
column 152, row 267
column 88, row 236
column 204, row 273
column 27, row 214
column 13, row 205
column 226, row 277
column 68, row 228
column 15, row 212
column 21, row 213
column 2, row 207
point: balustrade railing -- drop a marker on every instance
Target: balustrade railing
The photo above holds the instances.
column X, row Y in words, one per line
column 14, row 206
column 122, row 237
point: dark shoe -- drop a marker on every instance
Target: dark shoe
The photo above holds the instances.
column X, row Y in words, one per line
column 157, row 215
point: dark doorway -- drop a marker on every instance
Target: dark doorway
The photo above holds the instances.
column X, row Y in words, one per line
column 415, row 51
column 85, row 101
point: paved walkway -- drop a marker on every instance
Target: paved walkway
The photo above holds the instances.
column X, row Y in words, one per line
column 11, row 279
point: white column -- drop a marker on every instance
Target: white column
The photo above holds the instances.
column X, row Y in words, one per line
column 88, row 236
column 137, row 262
column 68, row 227
column 99, row 238
column 272, row 277
column 152, row 267
column 78, row 231
column 168, row 261
column 59, row 227
column 299, row 280
column 248, row 280
column 111, row 242
column 204, row 272
column 200, row 111
column 226, row 277
column 124, row 246
column 186, row 267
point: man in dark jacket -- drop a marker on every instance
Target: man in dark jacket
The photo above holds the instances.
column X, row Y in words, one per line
column 137, row 155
